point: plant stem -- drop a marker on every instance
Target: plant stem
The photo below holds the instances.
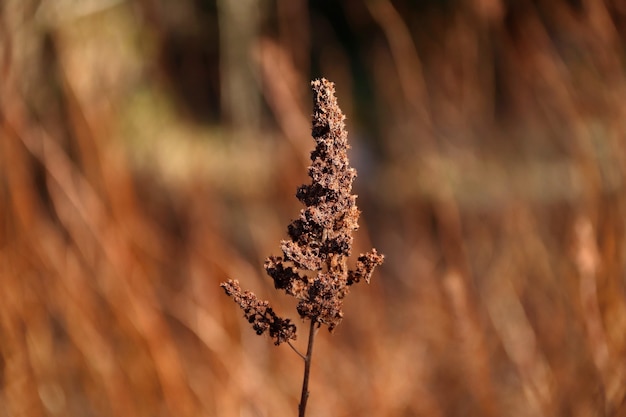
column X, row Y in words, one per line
column 296, row 350
column 307, row 370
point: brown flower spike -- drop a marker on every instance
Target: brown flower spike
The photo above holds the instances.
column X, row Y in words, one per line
column 260, row 314
column 313, row 267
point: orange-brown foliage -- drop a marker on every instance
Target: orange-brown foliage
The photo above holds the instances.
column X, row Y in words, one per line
column 489, row 137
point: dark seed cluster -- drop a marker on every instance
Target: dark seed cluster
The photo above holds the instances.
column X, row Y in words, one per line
column 313, row 267
column 260, row 314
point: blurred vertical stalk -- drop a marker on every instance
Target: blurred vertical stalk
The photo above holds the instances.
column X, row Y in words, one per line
column 295, row 38
column 240, row 93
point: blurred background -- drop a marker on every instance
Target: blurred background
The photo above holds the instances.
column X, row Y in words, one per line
column 151, row 149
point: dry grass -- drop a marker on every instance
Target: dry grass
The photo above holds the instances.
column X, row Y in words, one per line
column 489, row 142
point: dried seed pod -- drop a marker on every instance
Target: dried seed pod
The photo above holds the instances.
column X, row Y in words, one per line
column 313, row 267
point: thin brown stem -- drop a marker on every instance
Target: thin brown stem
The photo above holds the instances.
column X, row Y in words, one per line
column 296, row 350
column 307, row 370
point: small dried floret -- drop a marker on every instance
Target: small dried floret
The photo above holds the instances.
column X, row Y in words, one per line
column 304, row 257
column 324, row 300
column 260, row 314
column 365, row 265
column 284, row 276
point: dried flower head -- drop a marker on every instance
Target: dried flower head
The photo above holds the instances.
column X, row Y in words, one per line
column 313, row 267
column 260, row 314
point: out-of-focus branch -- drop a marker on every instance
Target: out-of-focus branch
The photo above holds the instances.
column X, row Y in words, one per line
column 240, row 97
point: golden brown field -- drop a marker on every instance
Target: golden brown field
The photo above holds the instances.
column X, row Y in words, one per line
column 150, row 150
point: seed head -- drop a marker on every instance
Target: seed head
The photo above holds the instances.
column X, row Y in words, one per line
column 313, row 267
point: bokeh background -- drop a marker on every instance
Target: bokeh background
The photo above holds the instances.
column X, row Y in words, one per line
column 150, row 149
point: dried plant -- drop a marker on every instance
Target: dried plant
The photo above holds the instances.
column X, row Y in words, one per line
column 313, row 267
